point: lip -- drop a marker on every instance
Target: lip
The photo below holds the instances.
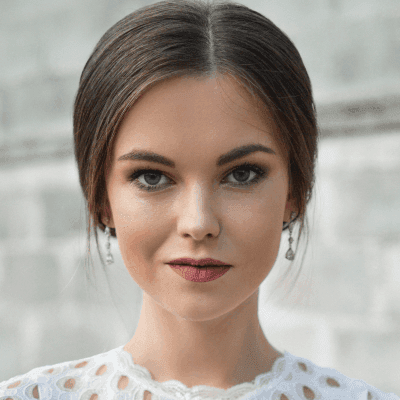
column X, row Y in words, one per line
column 196, row 274
column 197, row 263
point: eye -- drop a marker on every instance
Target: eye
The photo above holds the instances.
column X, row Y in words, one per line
column 242, row 173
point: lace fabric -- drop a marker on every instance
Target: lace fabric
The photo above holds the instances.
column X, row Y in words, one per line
column 175, row 389
column 114, row 375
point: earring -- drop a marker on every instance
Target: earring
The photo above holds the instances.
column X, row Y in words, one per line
column 290, row 253
column 110, row 258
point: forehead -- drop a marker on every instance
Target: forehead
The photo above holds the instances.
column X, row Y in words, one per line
column 194, row 110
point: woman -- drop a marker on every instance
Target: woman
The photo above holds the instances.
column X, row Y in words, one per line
column 196, row 140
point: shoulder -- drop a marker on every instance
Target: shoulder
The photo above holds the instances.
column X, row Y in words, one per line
column 301, row 378
column 84, row 377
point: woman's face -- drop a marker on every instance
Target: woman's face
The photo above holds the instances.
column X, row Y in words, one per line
column 198, row 209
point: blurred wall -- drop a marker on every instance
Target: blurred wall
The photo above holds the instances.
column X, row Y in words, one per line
column 345, row 310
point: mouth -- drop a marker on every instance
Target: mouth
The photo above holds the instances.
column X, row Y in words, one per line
column 199, row 266
column 202, row 263
column 200, row 273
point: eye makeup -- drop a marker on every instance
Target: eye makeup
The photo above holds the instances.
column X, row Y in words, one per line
column 260, row 173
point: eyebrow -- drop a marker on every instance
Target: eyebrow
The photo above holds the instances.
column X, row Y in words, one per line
column 232, row 155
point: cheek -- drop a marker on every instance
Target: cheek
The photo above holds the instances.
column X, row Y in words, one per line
column 260, row 242
column 141, row 238
column 142, row 230
column 256, row 214
column 137, row 249
column 256, row 228
column 133, row 213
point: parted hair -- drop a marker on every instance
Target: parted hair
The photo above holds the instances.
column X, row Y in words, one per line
column 192, row 38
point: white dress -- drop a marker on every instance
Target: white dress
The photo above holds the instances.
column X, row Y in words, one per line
column 113, row 375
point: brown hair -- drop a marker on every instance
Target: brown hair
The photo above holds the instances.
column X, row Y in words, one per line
column 192, row 38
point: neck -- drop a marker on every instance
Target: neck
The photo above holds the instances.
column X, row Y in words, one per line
column 221, row 352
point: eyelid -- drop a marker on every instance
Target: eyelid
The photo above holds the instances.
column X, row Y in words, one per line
column 257, row 165
column 262, row 172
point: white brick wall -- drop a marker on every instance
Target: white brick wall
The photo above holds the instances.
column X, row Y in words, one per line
column 345, row 310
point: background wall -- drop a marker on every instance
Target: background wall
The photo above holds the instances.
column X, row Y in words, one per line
column 345, row 310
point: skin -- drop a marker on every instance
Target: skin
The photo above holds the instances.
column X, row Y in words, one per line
column 198, row 333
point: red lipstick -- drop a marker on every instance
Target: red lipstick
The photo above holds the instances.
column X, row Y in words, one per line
column 197, row 263
column 204, row 270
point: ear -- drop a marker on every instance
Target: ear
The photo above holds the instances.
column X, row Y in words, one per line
column 289, row 208
column 106, row 215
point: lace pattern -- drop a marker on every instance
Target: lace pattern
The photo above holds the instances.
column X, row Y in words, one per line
column 113, row 375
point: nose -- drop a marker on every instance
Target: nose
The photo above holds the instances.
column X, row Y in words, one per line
column 197, row 214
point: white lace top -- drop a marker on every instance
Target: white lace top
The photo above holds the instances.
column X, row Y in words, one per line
column 113, row 375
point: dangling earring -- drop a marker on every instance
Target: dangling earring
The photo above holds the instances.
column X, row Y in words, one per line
column 290, row 253
column 109, row 258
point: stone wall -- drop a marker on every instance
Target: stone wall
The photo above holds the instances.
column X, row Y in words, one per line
column 344, row 311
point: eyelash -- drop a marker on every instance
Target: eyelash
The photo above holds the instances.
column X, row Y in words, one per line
column 243, row 167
